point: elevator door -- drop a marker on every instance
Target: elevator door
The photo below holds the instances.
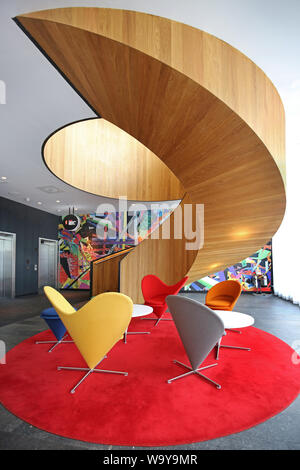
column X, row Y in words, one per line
column 48, row 263
column 7, row 264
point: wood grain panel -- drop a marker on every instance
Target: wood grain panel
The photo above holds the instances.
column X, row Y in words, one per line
column 166, row 258
column 98, row 157
column 211, row 62
column 208, row 112
column 105, row 273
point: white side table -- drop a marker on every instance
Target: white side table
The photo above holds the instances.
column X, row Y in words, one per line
column 139, row 310
column 233, row 320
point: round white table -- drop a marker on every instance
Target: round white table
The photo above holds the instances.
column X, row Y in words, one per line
column 232, row 320
column 139, row 310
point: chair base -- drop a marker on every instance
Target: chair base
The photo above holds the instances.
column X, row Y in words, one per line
column 134, row 333
column 157, row 320
column 89, row 371
column 192, row 371
column 56, row 343
column 219, row 345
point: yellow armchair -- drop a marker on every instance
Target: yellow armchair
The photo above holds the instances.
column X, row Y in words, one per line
column 95, row 328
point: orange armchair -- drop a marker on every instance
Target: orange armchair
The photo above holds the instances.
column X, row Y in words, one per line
column 223, row 296
column 155, row 292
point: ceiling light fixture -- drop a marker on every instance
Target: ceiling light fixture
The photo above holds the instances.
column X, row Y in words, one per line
column 39, row 203
column 214, row 265
column 241, row 233
column 49, row 189
column 57, row 201
column 4, row 178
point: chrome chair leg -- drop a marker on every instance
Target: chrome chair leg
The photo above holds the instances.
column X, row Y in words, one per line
column 209, row 380
column 56, row 343
column 218, row 349
column 138, row 332
column 219, row 345
column 234, row 347
column 192, row 371
column 180, row 376
column 59, row 342
column 157, row 320
column 134, row 333
column 89, row 371
column 234, row 331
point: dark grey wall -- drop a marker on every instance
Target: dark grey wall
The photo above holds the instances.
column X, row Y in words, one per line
column 28, row 224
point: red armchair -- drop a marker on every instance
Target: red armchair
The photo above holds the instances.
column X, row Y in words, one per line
column 155, row 292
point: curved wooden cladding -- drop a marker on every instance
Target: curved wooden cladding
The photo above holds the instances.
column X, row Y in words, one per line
column 105, row 273
column 208, row 112
column 98, row 157
column 166, row 258
column 222, row 69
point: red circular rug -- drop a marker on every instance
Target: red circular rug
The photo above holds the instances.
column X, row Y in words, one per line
column 142, row 409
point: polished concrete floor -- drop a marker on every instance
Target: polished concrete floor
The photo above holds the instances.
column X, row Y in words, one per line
column 19, row 319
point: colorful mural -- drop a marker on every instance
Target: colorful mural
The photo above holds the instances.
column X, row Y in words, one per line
column 96, row 237
column 99, row 235
column 257, row 266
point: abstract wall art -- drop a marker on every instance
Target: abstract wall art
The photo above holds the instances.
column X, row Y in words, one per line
column 259, row 264
column 97, row 236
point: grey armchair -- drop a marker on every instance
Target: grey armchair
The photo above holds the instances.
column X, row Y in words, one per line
column 199, row 329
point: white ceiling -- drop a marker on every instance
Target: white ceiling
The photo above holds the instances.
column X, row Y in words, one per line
column 38, row 100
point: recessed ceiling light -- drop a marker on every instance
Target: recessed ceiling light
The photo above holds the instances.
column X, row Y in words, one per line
column 57, row 201
column 39, row 203
column 49, row 189
column 3, row 178
column 215, row 265
column 241, row 233
column 27, row 199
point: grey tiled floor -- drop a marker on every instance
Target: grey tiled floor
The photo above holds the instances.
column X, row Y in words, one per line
column 282, row 432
